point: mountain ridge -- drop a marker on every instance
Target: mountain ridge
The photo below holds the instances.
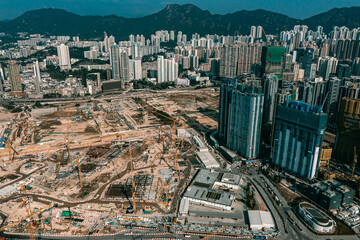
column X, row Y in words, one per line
column 187, row 18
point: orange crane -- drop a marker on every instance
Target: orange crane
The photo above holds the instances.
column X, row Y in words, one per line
column 176, row 157
column 79, row 165
column 40, row 149
column 30, row 214
column 213, row 234
column 67, row 135
column 12, row 151
column 30, row 226
column 132, row 178
column 172, row 119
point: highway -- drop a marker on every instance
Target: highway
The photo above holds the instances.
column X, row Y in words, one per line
column 281, row 213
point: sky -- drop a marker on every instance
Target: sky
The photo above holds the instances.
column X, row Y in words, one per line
column 300, row 9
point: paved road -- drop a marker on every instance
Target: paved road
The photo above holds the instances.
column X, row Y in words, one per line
column 282, row 213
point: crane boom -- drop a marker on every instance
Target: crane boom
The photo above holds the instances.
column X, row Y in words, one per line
column 132, row 178
column 176, row 156
column 26, row 217
column 66, row 135
column 214, row 233
column 30, row 226
column 172, row 119
column 79, row 165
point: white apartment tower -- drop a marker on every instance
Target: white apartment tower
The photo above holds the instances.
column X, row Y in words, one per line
column 64, row 57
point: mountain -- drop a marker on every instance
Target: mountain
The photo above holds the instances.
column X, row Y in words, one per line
column 186, row 18
column 349, row 17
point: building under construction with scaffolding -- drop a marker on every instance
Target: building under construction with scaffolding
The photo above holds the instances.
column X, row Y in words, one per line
column 143, row 190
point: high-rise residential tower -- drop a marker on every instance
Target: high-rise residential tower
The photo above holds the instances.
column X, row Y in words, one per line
column 124, row 66
column 37, row 76
column 298, row 137
column 241, row 109
column 167, row 69
column 115, row 61
column 228, row 61
column 64, row 57
column 14, row 77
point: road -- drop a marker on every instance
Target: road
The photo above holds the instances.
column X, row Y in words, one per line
column 281, row 213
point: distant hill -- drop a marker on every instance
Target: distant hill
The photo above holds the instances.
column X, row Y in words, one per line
column 349, row 17
column 187, row 18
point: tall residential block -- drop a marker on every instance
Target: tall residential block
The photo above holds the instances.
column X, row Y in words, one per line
column 167, row 70
column 124, row 66
column 298, row 137
column 115, row 61
column 64, row 57
column 14, row 77
column 37, row 76
column 228, row 61
column 271, row 85
column 241, row 109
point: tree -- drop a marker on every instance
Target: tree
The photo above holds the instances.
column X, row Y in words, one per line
column 37, row 105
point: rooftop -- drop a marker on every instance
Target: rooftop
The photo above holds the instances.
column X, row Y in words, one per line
column 208, row 195
column 258, row 218
column 207, row 159
column 231, row 178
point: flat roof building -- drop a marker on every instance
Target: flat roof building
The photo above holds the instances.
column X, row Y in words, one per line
column 206, row 190
column 330, row 199
column 260, row 220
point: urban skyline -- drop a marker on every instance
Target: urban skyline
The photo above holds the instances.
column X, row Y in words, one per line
column 295, row 9
column 179, row 132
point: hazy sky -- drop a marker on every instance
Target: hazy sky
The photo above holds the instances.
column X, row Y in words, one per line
column 135, row 8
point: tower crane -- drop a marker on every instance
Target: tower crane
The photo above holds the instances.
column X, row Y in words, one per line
column 28, row 216
column 12, row 151
column 132, row 178
column 172, row 119
column 213, row 234
column 176, row 157
column 79, row 165
column 66, row 135
column 267, row 40
column 30, row 226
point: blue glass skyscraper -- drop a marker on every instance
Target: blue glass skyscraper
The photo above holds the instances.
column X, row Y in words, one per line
column 298, row 137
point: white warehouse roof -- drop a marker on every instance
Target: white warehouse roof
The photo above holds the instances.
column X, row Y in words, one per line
column 260, row 219
column 207, row 159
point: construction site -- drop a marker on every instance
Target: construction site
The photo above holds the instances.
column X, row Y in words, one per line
column 99, row 166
